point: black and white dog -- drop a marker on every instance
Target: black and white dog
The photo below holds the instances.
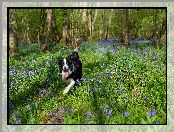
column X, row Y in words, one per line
column 71, row 70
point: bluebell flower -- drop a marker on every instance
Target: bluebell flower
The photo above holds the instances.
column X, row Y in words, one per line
column 11, row 71
column 105, row 105
column 156, row 122
column 110, row 112
column 100, row 82
column 145, row 97
column 152, row 112
column 17, row 121
column 28, row 107
column 31, row 73
column 126, row 114
column 105, row 72
column 14, row 113
column 59, row 54
column 40, row 91
column 82, row 79
column 62, row 109
column 78, row 81
column 89, row 114
column 122, row 88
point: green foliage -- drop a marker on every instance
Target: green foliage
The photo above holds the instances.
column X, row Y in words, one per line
column 119, row 86
column 140, row 21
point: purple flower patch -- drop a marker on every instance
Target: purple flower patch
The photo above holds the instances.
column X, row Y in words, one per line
column 89, row 114
column 109, row 113
column 17, row 121
column 28, row 107
column 126, row 114
column 105, row 105
column 152, row 112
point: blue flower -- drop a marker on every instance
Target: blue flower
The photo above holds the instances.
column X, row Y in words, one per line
column 31, row 73
column 14, row 113
column 77, row 81
column 89, row 114
column 62, row 109
column 110, row 112
column 152, row 112
column 28, row 107
column 40, row 91
column 100, row 82
column 156, row 122
column 105, row 105
column 17, row 121
column 126, row 114
column 122, row 88
column 145, row 97
column 105, row 72
column 82, row 79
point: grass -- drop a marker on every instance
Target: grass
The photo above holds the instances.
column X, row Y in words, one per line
column 119, row 86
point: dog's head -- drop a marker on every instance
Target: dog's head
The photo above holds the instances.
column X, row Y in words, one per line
column 66, row 67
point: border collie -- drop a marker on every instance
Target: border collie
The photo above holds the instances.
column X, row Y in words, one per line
column 71, row 70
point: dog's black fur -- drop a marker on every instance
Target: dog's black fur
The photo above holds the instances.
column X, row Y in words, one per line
column 71, row 69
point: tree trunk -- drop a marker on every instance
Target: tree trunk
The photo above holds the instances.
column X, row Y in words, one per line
column 109, row 24
column 25, row 39
column 56, row 35
column 95, row 17
column 49, row 33
column 84, row 24
column 90, row 21
column 127, row 28
column 155, row 30
column 13, row 40
column 102, row 36
column 65, row 27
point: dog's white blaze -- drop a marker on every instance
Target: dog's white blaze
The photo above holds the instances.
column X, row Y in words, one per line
column 71, row 85
column 65, row 64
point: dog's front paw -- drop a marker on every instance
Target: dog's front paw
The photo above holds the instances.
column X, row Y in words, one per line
column 66, row 90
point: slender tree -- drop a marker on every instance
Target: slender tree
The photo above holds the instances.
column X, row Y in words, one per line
column 13, row 40
column 102, row 36
column 155, row 29
column 127, row 27
column 65, row 27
